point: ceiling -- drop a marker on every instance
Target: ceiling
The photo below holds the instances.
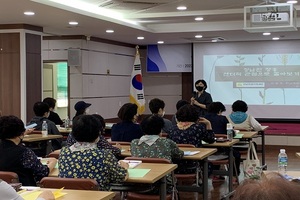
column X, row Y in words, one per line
column 153, row 19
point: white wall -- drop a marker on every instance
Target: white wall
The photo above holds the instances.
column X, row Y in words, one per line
column 103, row 78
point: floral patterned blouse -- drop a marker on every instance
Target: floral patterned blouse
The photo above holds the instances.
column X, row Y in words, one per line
column 101, row 144
column 93, row 163
column 192, row 135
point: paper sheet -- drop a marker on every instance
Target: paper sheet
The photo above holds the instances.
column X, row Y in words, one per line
column 32, row 195
column 238, row 136
column 190, row 153
column 137, row 173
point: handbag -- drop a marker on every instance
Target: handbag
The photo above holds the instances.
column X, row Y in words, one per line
column 251, row 166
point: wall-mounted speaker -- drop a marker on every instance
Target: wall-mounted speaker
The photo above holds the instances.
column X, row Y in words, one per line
column 74, row 57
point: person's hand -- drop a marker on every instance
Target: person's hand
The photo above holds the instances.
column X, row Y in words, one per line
column 192, row 101
column 47, row 195
column 123, row 164
column 206, row 122
column 28, row 131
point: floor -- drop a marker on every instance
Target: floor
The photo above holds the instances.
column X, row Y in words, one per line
column 217, row 190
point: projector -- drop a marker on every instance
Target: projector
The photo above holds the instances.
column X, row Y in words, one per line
column 271, row 18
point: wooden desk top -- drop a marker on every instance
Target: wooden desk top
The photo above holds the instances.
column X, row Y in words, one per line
column 65, row 130
column 39, row 137
column 294, row 174
column 222, row 144
column 264, row 127
column 298, row 155
column 248, row 134
column 204, row 152
column 157, row 172
column 83, row 194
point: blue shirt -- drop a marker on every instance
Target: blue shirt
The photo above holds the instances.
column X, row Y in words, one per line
column 126, row 131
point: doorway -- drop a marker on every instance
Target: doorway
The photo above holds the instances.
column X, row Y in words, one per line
column 55, row 85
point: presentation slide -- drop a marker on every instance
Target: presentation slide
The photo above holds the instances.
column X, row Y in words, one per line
column 268, row 82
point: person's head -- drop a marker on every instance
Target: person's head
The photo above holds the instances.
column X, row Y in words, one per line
column 128, row 112
column 81, row 108
column 41, row 109
column 181, row 103
column 152, row 125
column 86, row 128
column 216, row 107
column 273, row 186
column 201, row 85
column 101, row 120
column 239, row 105
column 157, row 106
column 11, row 127
column 187, row 113
column 51, row 102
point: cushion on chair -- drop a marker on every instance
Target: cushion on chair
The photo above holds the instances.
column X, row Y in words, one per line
column 9, row 177
column 69, row 183
column 138, row 196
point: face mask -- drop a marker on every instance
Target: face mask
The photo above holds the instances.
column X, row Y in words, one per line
column 87, row 111
column 199, row 88
column 163, row 114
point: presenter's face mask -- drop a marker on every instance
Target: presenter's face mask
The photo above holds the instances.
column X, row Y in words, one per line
column 199, row 88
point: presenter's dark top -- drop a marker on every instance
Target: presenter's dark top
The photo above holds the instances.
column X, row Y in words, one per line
column 204, row 98
column 23, row 161
column 126, row 131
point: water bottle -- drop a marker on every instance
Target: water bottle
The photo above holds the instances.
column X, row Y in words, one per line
column 44, row 129
column 229, row 129
column 282, row 162
column 67, row 122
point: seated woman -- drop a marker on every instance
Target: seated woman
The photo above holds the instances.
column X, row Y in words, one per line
column 218, row 123
column 102, row 142
column 190, row 130
column 17, row 158
column 151, row 145
column 85, row 160
column 272, row 186
column 240, row 119
column 127, row 130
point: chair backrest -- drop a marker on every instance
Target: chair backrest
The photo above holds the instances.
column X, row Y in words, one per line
column 150, row 160
column 186, row 145
column 9, row 177
column 69, row 183
column 54, row 154
column 119, row 142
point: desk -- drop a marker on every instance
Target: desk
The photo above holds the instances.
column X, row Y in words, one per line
column 157, row 172
column 263, row 141
column 229, row 145
column 202, row 155
column 294, row 174
column 84, row 194
column 39, row 137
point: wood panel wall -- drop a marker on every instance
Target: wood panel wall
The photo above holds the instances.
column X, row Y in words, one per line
column 10, row 90
column 33, row 72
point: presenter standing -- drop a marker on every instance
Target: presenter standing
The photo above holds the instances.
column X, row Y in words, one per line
column 201, row 99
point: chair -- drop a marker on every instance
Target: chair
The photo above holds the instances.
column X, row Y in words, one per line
column 139, row 196
column 190, row 178
column 69, row 183
column 222, row 159
column 54, row 154
column 9, row 177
